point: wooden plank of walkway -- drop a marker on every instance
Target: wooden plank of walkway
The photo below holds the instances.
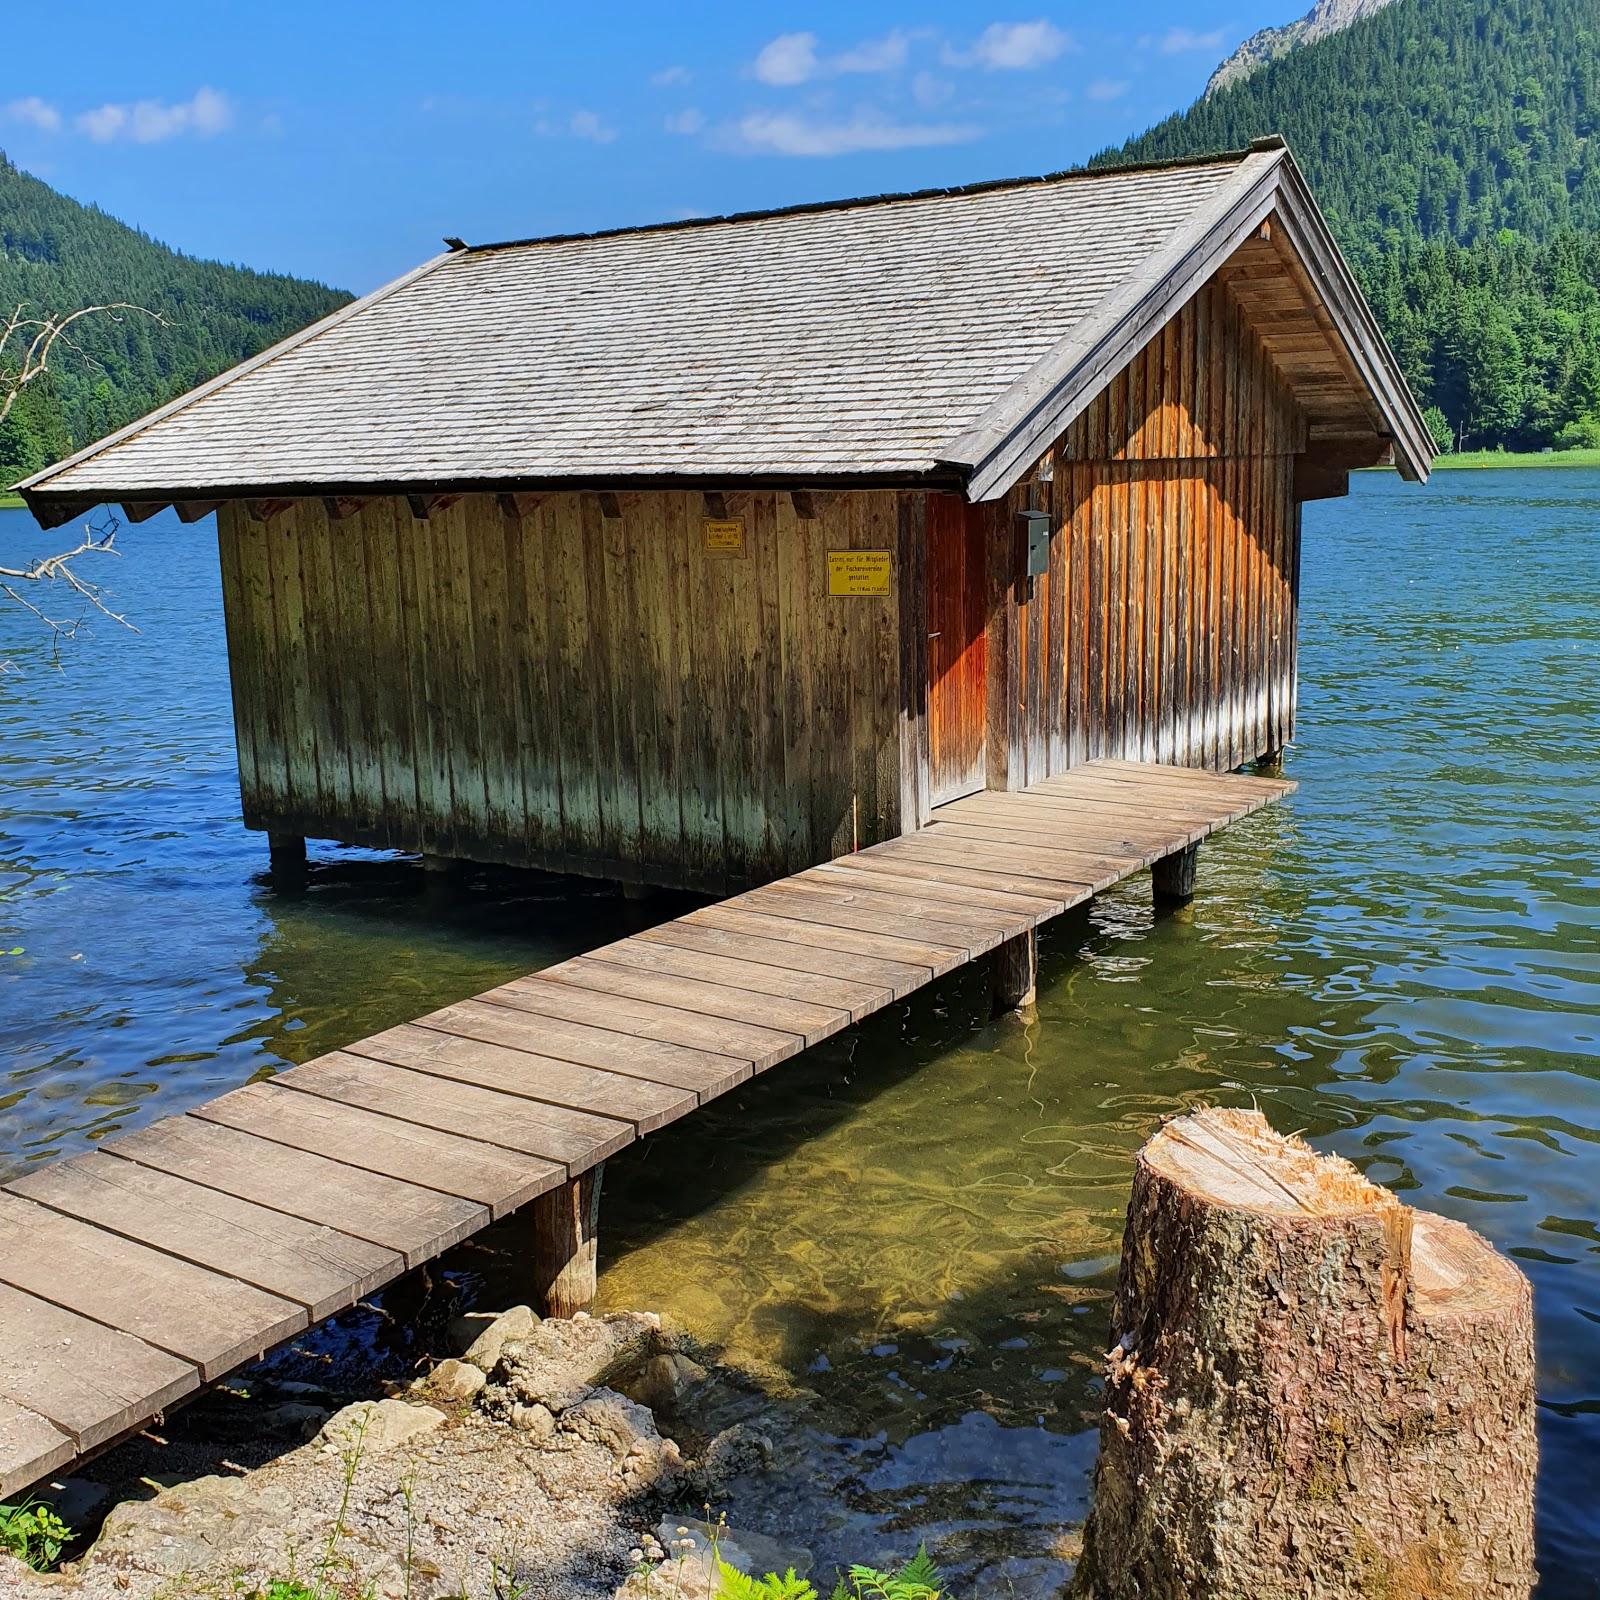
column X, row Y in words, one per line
column 316, row 1266
column 131, row 1276
column 527, row 1075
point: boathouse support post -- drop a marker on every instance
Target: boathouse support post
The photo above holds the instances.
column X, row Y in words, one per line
column 563, row 1244
column 1172, row 877
column 1015, row 970
column 438, row 879
column 287, row 855
column 1312, row 1389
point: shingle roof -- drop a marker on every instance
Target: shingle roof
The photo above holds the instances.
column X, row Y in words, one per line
column 863, row 340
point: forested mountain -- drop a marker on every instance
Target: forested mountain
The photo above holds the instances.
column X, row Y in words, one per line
column 1455, row 146
column 57, row 255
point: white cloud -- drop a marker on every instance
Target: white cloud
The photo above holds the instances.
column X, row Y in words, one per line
column 687, row 121
column 788, row 134
column 930, row 91
column 1175, row 41
column 792, row 58
column 1013, row 46
column 875, row 55
column 789, row 59
column 671, row 77
column 39, row 113
column 150, row 121
column 587, row 125
column 1107, row 89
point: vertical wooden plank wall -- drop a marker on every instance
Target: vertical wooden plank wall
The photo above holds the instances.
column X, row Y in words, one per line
column 575, row 691
column 1164, row 629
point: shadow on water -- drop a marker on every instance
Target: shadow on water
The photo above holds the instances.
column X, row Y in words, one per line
column 918, row 1223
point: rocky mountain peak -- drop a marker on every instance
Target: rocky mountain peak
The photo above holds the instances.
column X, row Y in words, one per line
column 1325, row 17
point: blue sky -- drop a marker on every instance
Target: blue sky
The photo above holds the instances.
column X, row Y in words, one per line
column 343, row 139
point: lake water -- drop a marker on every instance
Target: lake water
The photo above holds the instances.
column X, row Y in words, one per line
column 919, row 1221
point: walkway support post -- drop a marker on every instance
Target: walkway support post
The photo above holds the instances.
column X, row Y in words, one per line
column 287, row 855
column 1172, row 877
column 563, row 1238
column 1313, row 1390
column 1015, row 971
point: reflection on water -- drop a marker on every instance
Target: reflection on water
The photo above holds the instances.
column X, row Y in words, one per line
column 919, row 1221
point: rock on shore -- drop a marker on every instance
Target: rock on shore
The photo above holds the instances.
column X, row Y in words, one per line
column 532, row 1464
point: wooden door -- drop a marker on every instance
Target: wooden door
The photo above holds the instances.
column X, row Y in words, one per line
column 958, row 686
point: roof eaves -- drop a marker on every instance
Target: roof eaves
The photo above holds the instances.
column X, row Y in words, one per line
column 1016, row 429
column 314, row 330
column 1364, row 339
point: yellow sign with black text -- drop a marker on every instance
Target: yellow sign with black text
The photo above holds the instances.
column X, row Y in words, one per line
column 860, row 572
column 722, row 536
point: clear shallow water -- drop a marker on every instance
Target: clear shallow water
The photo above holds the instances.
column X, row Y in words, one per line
column 920, row 1220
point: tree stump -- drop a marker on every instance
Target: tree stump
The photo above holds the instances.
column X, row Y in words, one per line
column 1317, row 1392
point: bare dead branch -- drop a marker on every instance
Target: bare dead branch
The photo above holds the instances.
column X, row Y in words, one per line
column 36, row 339
column 98, row 539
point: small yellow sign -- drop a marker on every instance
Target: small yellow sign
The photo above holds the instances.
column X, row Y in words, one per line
column 723, row 537
column 859, row 572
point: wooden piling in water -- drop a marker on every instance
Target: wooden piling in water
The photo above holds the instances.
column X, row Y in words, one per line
column 1015, row 969
column 1314, row 1389
column 563, row 1234
column 1172, row 877
column 287, row 855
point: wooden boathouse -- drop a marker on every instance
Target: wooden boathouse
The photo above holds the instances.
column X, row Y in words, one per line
column 695, row 555
column 908, row 570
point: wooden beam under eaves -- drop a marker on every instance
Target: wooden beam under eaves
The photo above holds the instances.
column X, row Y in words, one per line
column 53, row 513
column 266, row 510
column 519, row 507
column 424, row 506
column 194, row 510
column 339, row 506
column 1316, row 480
column 143, row 510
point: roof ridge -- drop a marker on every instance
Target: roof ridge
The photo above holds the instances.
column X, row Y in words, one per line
column 860, row 202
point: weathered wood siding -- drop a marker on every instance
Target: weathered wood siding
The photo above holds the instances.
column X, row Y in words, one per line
column 571, row 690
column 1164, row 629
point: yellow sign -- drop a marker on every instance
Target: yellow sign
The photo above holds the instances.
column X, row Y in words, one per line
column 723, row 537
column 859, row 572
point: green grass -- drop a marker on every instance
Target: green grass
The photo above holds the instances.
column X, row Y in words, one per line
column 10, row 502
column 1478, row 459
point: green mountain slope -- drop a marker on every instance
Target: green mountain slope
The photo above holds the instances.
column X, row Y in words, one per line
column 1455, row 146
column 57, row 255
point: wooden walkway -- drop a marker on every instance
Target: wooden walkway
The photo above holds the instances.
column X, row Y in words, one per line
column 133, row 1276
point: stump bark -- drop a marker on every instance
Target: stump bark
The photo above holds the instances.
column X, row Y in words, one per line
column 1317, row 1392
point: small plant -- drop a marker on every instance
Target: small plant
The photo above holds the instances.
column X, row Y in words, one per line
column 918, row 1579
column 33, row 1533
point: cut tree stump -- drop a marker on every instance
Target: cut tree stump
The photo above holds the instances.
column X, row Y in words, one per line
column 1316, row 1392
